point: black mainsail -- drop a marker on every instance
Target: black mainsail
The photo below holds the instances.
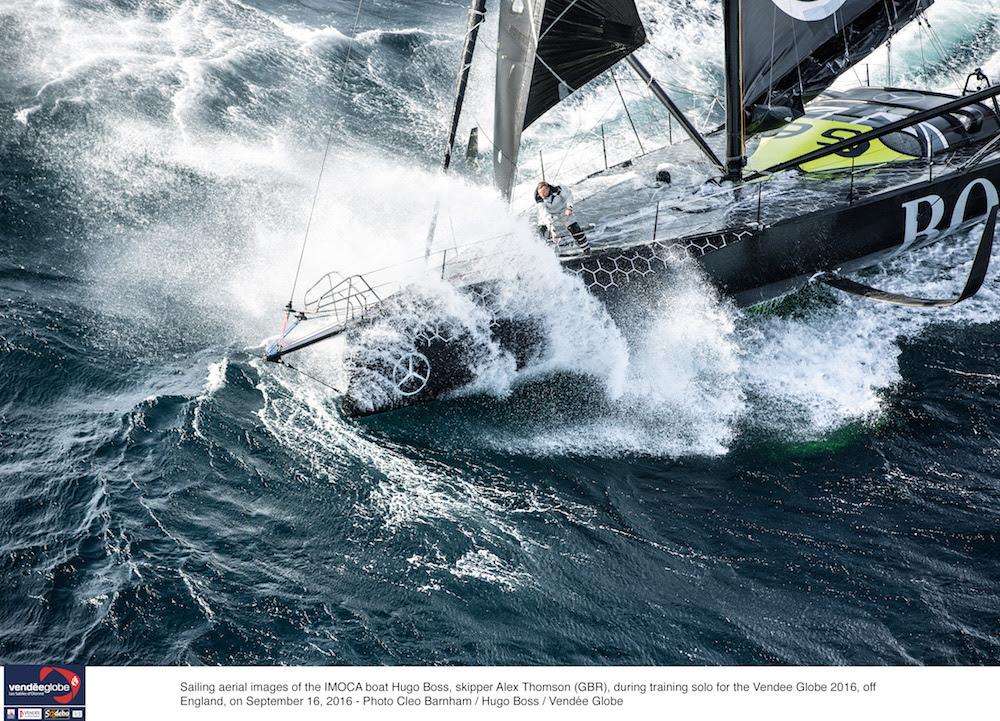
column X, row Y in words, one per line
column 792, row 50
column 546, row 50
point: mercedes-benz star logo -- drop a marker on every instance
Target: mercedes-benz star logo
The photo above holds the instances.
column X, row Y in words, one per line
column 410, row 373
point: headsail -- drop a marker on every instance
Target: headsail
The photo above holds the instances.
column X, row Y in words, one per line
column 546, row 50
column 792, row 50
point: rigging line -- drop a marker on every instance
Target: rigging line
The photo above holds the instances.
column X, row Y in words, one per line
column 416, row 259
column 675, row 84
column 891, row 15
column 940, row 47
column 716, row 102
column 888, row 14
column 311, row 377
column 628, row 114
column 654, row 121
column 646, row 93
column 477, row 123
column 770, row 68
column 888, row 66
column 920, row 35
column 854, row 69
column 847, row 50
column 798, row 64
column 326, row 153
column 579, row 139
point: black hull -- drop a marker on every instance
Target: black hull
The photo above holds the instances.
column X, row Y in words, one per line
column 751, row 264
column 755, row 265
column 434, row 361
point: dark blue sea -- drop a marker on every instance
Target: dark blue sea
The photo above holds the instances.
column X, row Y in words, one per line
column 814, row 484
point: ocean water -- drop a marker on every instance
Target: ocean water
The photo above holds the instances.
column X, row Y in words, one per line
column 813, row 485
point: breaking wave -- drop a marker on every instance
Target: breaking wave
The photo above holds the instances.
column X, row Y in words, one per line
column 173, row 499
column 219, row 112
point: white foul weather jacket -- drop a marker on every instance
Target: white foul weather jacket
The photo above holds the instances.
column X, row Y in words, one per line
column 554, row 205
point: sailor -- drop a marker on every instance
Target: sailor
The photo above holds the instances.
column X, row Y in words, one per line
column 554, row 202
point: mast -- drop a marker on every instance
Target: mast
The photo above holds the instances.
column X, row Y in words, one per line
column 735, row 156
column 517, row 45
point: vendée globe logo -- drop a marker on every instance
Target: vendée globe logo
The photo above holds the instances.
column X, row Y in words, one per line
column 37, row 685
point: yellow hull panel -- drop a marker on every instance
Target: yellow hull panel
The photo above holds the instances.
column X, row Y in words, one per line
column 808, row 134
